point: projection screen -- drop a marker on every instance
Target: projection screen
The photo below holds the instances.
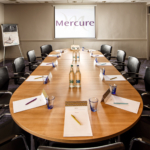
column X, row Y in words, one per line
column 74, row 21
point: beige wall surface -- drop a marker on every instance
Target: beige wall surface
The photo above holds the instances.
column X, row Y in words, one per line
column 1, row 22
column 121, row 25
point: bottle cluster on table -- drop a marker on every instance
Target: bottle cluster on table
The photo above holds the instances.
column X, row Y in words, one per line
column 75, row 78
column 76, row 55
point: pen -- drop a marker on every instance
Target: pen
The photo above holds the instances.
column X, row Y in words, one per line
column 113, row 78
column 75, row 119
column 121, row 103
column 103, row 64
column 48, row 63
column 31, row 101
column 37, row 77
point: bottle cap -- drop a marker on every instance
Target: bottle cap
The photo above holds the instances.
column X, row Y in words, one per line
column 77, row 65
column 71, row 65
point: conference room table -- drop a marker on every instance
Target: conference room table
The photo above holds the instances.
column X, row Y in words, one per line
column 48, row 124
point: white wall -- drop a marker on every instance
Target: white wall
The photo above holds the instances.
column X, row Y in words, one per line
column 121, row 25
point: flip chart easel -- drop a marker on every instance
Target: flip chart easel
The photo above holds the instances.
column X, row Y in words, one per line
column 10, row 37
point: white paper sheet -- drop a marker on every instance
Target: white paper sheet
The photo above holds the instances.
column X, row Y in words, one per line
column 46, row 64
column 20, row 105
column 54, row 55
column 91, row 50
column 32, row 78
column 97, row 55
column 71, row 127
column 132, row 106
column 119, row 78
column 103, row 64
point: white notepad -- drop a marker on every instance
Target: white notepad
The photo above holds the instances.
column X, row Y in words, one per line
column 119, row 78
column 132, row 106
column 91, row 50
column 32, row 78
column 71, row 127
column 46, row 64
column 20, row 105
column 97, row 55
column 103, row 64
column 54, row 55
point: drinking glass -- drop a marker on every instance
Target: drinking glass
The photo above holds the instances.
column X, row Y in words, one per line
column 45, row 79
column 113, row 88
column 93, row 103
column 50, row 102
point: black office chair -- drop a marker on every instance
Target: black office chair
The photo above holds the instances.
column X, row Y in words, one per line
column 11, row 136
column 114, row 146
column 133, row 66
column 146, row 94
column 138, row 137
column 45, row 50
column 19, row 70
column 4, row 83
column 140, row 144
column 121, row 55
column 33, row 63
column 106, row 50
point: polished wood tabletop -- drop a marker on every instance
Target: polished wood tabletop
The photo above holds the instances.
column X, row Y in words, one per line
column 106, row 123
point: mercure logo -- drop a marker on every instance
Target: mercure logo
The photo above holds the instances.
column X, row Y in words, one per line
column 74, row 22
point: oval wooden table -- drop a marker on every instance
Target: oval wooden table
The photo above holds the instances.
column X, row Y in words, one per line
column 106, row 123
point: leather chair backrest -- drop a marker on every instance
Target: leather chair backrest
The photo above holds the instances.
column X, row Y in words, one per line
column 133, row 65
column 114, row 146
column 45, row 49
column 19, row 65
column 31, row 56
column 121, row 55
column 147, row 79
column 106, row 49
column 4, row 78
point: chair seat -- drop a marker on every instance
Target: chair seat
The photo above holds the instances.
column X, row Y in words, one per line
column 8, row 130
column 17, row 144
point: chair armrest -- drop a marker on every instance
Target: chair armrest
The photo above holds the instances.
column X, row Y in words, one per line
column 120, row 65
column 32, row 62
column 130, row 73
column 141, row 140
column 113, row 57
column 6, row 92
column 22, row 73
column 3, row 105
column 135, row 78
column 145, row 93
column 118, row 62
column 147, row 106
column 18, row 78
column 5, row 114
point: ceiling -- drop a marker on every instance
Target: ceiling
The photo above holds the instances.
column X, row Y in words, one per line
column 71, row 1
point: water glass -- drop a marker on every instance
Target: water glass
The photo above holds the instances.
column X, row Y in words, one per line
column 113, row 88
column 45, row 79
column 50, row 102
column 93, row 103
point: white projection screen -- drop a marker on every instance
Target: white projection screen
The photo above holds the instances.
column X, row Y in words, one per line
column 74, row 21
